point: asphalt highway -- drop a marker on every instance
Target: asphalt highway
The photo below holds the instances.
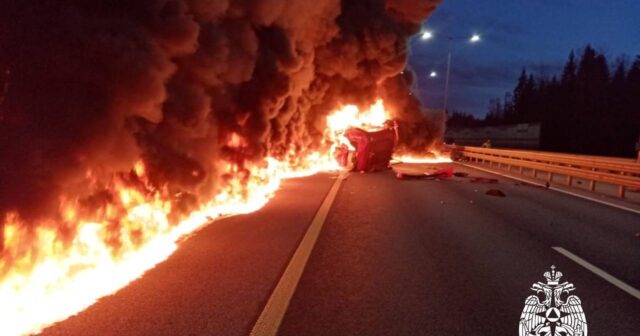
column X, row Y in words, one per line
column 394, row 257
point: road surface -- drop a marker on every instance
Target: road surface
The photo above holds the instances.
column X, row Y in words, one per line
column 394, row 257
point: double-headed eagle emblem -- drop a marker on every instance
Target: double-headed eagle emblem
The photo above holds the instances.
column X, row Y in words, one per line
column 559, row 314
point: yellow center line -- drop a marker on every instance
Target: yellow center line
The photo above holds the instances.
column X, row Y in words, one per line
column 273, row 312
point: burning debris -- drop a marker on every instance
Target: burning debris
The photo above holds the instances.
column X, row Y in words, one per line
column 368, row 140
column 404, row 171
column 364, row 140
column 368, row 150
column 127, row 125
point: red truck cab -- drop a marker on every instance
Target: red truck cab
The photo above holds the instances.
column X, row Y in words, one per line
column 372, row 150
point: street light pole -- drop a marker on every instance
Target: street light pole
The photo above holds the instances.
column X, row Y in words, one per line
column 446, row 82
column 473, row 39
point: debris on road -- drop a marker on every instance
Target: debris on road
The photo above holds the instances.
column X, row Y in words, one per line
column 411, row 171
column 460, row 174
column 483, row 180
column 495, row 192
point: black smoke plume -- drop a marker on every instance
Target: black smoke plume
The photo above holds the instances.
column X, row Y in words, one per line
column 93, row 86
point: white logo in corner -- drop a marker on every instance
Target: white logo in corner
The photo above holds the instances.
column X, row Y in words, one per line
column 559, row 314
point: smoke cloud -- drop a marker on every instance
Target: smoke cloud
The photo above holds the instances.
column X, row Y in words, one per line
column 96, row 85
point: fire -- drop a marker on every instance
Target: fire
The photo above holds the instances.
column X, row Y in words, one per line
column 139, row 169
column 46, row 280
column 370, row 120
column 237, row 141
column 351, row 116
column 59, row 267
column 436, row 158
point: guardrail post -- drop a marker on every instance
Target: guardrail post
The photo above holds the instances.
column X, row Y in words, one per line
column 569, row 180
column 550, row 176
column 592, row 183
column 535, row 172
column 520, row 170
column 621, row 191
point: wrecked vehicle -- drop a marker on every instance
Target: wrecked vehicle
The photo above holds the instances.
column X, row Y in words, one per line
column 368, row 150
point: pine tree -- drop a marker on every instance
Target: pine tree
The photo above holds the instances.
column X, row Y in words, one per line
column 569, row 72
column 558, row 124
column 617, row 110
column 632, row 108
column 521, row 96
column 593, row 126
column 584, row 110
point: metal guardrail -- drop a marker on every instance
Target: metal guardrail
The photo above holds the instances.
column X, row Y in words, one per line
column 624, row 173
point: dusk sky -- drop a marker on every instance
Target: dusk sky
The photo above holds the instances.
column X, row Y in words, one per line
column 536, row 34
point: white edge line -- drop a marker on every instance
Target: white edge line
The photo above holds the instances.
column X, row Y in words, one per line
column 273, row 312
column 621, row 207
column 599, row 272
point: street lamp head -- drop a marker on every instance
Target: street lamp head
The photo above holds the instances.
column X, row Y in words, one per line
column 426, row 35
column 433, row 74
column 475, row 38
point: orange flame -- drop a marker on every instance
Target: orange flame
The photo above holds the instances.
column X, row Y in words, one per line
column 351, row 116
column 236, row 141
column 436, row 158
column 45, row 279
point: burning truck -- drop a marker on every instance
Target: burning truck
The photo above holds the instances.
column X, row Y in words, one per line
column 363, row 140
column 368, row 150
column 368, row 140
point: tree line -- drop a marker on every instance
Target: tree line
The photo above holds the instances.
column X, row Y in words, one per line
column 592, row 107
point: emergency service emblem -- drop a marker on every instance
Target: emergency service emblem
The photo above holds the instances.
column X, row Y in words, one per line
column 558, row 314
